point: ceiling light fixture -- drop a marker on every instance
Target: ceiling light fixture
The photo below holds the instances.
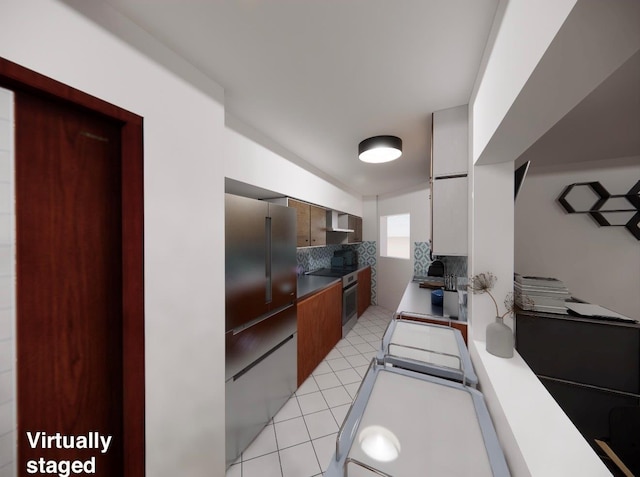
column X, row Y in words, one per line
column 379, row 149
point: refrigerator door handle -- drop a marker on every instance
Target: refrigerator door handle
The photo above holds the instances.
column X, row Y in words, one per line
column 267, row 229
column 260, row 319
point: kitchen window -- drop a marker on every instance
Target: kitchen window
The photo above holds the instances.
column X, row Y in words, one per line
column 394, row 236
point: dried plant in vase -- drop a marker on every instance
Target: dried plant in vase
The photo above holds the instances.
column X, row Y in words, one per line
column 499, row 337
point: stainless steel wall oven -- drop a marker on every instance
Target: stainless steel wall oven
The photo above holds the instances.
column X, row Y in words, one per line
column 349, row 302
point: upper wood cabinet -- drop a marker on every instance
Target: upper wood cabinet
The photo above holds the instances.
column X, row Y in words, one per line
column 312, row 223
column 317, row 225
column 355, row 223
column 342, row 238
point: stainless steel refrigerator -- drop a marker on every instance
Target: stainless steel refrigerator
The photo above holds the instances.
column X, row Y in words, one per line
column 260, row 316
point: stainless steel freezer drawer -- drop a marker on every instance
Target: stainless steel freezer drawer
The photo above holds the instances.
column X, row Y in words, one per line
column 245, row 346
column 436, row 426
column 428, row 348
column 255, row 396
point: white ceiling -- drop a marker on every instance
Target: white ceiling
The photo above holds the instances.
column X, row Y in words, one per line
column 604, row 125
column 316, row 77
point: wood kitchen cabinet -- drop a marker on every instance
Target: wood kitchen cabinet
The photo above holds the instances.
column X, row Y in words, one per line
column 364, row 290
column 312, row 223
column 351, row 222
column 355, row 223
column 319, row 328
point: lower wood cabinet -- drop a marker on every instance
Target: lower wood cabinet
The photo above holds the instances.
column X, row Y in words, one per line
column 364, row 290
column 319, row 328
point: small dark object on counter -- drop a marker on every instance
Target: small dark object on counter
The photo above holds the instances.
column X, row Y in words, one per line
column 437, row 297
column 436, row 269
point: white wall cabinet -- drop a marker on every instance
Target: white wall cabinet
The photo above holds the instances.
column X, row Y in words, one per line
column 450, row 142
column 449, row 186
column 449, row 227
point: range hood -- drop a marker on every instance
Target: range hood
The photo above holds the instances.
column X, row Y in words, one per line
column 337, row 222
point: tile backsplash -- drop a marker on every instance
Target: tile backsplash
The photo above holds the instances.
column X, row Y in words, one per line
column 454, row 265
column 367, row 255
column 422, row 258
column 312, row 258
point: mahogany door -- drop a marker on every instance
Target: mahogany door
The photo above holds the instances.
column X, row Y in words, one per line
column 69, row 279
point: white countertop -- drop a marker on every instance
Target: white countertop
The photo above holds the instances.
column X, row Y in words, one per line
column 418, row 300
column 431, row 344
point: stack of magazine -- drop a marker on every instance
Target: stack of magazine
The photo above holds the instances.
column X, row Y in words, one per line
column 540, row 294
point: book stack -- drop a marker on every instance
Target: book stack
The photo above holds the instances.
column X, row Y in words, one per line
column 540, row 294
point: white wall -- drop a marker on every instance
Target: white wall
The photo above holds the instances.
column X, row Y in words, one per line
column 598, row 264
column 521, row 33
column 184, row 272
column 187, row 151
column 514, row 102
column 491, row 240
column 395, row 273
column 253, row 164
column 520, row 36
column 8, row 421
column 547, row 49
column 525, row 85
column 370, row 219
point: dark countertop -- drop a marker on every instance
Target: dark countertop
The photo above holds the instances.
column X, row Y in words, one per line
column 310, row 284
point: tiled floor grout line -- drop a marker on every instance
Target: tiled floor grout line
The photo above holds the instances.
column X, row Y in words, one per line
column 310, row 438
column 275, row 435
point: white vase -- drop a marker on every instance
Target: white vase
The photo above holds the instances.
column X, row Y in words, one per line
column 499, row 339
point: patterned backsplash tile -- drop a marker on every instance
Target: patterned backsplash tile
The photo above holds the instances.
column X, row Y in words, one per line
column 367, row 255
column 312, row 258
column 454, row 265
column 422, row 258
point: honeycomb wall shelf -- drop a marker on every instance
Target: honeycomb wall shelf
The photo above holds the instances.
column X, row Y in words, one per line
column 601, row 196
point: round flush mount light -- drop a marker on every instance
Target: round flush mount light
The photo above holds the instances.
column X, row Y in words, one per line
column 379, row 443
column 380, row 149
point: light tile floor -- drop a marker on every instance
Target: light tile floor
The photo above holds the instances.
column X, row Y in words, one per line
column 300, row 440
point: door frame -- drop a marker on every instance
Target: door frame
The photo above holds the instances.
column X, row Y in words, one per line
column 17, row 78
